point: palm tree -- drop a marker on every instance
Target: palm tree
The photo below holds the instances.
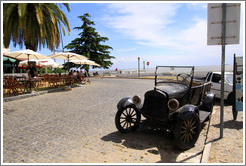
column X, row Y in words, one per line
column 33, row 24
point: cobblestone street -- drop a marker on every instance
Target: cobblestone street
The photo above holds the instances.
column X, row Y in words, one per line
column 77, row 126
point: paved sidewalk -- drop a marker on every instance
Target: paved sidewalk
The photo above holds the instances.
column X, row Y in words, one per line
column 229, row 149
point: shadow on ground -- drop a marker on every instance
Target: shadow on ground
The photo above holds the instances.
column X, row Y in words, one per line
column 231, row 124
column 217, row 102
column 156, row 142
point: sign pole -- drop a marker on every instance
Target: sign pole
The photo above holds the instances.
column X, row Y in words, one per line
column 223, row 28
column 138, row 67
column 147, row 66
column 223, row 40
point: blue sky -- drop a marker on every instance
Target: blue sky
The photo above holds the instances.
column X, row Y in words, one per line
column 158, row 33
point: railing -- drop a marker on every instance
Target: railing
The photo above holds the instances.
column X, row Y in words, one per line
column 13, row 86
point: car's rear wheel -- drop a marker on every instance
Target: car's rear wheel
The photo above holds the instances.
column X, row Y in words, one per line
column 187, row 132
column 127, row 119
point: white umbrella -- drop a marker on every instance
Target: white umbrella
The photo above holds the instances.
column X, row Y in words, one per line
column 48, row 63
column 85, row 62
column 38, row 62
column 67, row 56
column 5, row 50
column 56, row 65
column 25, row 55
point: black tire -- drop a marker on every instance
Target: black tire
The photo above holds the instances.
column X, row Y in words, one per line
column 187, row 132
column 127, row 119
column 230, row 98
column 234, row 113
column 211, row 111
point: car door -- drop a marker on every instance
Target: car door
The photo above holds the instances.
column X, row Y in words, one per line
column 216, row 86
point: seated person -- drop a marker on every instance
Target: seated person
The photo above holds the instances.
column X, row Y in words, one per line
column 74, row 74
column 78, row 75
column 70, row 73
column 81, row 75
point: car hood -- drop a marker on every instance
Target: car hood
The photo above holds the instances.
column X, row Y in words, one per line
column 174, row 90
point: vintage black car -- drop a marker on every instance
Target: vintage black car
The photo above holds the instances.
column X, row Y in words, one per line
column 177, row 104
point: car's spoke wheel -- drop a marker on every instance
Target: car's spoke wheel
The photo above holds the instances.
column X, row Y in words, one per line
column 127, row 119
column 187, row 132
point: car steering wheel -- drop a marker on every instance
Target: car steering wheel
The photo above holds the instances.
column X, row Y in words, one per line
column 182, row 77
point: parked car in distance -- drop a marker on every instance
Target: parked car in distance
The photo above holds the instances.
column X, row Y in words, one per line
column 215, row 79
column 177, row 104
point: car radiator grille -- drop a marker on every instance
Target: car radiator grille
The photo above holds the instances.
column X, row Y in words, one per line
column 155, row 105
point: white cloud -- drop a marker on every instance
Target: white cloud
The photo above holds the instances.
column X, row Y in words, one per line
column 151, row 25
column 144, row 23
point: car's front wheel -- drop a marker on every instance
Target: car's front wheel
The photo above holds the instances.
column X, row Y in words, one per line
column 187, row 132
column 127, row 119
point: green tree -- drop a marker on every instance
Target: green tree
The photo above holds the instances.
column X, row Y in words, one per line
column 89, row 44
column 33, row 24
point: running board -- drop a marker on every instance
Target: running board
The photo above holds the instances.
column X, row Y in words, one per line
column 204, row 115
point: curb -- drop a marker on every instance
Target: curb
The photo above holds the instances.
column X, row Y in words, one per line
column 7, row 99
column 208, row 142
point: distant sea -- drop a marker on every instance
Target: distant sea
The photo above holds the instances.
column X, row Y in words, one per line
column 199, row 70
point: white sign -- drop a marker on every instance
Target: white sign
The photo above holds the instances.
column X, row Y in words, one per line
column 214, row 25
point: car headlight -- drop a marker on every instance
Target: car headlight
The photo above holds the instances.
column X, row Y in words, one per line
column 173, row 104
column 136, row 100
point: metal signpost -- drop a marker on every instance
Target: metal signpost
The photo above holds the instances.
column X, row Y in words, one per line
column 138, row 67
column 147, row 65
column 223, row 28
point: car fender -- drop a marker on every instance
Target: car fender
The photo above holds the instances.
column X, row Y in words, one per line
column 208, row 102
column 228, row 89
column 187, row 111
column 126, row 101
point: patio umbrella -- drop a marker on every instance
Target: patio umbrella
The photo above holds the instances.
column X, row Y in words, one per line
column 48, row 63
column 56, row 65
column 38, row 62
column 5, row 50
column 68, row 56
column 85, row 62
column 25, row 55
column 8, row 60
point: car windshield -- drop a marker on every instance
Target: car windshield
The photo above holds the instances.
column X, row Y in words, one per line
column 174, row 74
column 229, row 78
